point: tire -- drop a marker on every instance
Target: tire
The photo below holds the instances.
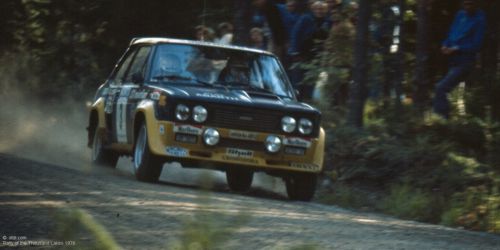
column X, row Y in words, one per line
column 301, row 187
column 100, row 155
column 239, row 180
column 147, row 167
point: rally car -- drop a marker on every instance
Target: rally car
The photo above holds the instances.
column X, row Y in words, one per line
column 210, row 106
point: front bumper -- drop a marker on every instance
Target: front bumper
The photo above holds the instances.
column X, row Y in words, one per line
column 241, row 148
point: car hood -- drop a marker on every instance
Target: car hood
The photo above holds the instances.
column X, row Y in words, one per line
column 238, row 97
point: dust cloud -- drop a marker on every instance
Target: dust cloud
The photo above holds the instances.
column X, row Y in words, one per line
column 54, row 131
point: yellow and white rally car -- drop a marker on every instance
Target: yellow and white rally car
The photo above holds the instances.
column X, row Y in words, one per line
column 206, row 106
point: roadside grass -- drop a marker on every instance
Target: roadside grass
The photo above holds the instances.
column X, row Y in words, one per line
column 404, row 202
column 73, row 223
column 207, row 228
column 417, row 167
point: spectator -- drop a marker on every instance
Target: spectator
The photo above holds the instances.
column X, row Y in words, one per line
column 333, row 9
column 462, row 45
column 204, row 33
column 311, row 27
column 257, row 39
column 273, row 17
column 225, row 33
column 339, row 57
column 333, row 5
column 289, row 16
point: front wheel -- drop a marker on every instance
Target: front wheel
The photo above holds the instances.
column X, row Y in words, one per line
column 239, row 180
column 147, row 167
column 100, row 155
column 301, row 187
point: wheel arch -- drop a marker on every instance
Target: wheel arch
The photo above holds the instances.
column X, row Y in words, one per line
column 96, row 119
column 144, row 114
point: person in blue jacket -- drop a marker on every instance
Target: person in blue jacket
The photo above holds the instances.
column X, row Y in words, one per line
column 289, row 15
column 462, row 45
column 310, row 28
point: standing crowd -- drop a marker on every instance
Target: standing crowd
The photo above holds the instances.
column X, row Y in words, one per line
column 294, row 31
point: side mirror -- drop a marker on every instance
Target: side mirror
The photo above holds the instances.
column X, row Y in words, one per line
column 137, row 78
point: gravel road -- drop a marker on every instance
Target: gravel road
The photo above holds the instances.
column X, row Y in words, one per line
column 45, row 177
column 153, row 216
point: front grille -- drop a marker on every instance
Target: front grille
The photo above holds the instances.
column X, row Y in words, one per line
column 246, row 120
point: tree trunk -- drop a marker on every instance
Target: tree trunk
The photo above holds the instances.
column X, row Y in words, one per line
column 242, row 22
column 357, row 92
column 421, row 74
column 491, row 58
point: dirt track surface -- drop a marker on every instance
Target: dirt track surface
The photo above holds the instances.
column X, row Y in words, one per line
column 45, row 172
column 153, row 216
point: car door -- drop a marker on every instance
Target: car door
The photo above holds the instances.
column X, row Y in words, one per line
column 131, row 92
column 116, row 82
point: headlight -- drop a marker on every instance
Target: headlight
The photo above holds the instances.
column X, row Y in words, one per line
column 182, row 112
column 211, row 137
column 200, row 114
column 273, row 144
column 305, row 126
column 288, row 124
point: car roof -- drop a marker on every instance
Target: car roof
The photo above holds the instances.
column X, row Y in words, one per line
column 160, row 40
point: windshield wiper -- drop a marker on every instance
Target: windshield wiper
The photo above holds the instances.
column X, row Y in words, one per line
column 178, row 77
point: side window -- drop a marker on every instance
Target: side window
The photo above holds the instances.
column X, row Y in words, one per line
column 120, row 74
column 139, row 63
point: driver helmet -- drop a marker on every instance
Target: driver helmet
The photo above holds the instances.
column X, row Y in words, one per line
column 169, row 64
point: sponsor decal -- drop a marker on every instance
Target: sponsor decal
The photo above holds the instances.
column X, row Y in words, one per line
column 239, row 153
column 242, row 135
column 187, row 129
column 306, row 166
column 246, row 118
column 155, row 96
column 138, row 94
column 217, row 96
column 246, row 160
column 297, row 142
column 121, row 119
column 295, row 151
column 177, row 151
column 162, row 130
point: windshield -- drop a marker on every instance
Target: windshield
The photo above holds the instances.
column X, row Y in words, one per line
column 210, row 66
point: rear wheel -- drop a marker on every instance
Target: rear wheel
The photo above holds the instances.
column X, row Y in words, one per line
column 239, row 180
column 100, row 155
column 301, row 187
column 147, row 167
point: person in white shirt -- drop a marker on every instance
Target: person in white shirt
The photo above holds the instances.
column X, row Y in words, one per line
column 225, row 31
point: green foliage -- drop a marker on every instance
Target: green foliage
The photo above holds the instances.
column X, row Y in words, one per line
column 208, row 229
column 476, row 208
column 407, row 203
column 74, row 222
column 71, row 46
column 424, row 168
